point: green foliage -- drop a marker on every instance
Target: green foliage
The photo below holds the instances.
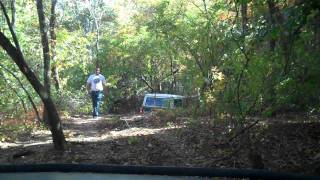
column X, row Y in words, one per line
column 193, row 48
column 132, row 140
column 74, row 102
column 10, row 133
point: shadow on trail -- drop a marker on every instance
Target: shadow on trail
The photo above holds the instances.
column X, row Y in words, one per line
column 164, row 148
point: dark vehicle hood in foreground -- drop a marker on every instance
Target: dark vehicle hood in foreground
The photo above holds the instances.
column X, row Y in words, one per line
column 92, row 172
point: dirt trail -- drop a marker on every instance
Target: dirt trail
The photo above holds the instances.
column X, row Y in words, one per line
column 164, row 140
column 111, row 139
column 86, row 128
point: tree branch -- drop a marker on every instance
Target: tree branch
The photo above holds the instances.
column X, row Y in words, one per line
column 146, row 82
column 17, row 94
column 14, row 37
column 27, row 93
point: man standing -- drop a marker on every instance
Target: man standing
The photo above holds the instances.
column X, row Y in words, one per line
column 96, row 83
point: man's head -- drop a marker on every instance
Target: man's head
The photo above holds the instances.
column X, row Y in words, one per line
column 97, row 70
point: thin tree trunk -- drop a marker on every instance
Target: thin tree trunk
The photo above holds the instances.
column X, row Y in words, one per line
column 272, row 10
column 54, row 69
column 317, row 32
column 45, row 46
column 13, row 13
column 270, row 97
column 96, row 28
column 173, row 82
column 284, row 40
column 46, row 54
column 97, row 43
column 244, row 16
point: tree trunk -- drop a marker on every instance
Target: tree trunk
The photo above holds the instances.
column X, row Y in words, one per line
column 284, row 39
column 46, row 54
column 97, row 42
column 13, row 13
column 53, row 116
column 317, row 32
column 54, row 69
column 272, row 23
column 45, row 46
column 270, row 91
column 244, row 16
column 173, row 82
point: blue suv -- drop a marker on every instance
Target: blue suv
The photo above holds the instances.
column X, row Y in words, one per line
column 161, row 101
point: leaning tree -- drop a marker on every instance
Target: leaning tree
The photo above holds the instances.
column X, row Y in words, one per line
column 14, row 51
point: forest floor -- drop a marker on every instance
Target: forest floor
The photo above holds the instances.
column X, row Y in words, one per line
column 156, row 140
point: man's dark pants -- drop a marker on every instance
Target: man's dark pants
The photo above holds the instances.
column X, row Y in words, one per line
column 96, row 97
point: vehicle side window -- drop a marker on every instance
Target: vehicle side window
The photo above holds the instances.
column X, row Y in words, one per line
column 166, row 103
column 159, row 102
column 150, row 101
column 178, row 103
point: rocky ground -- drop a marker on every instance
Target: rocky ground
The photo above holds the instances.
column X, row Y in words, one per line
column 173, row 141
